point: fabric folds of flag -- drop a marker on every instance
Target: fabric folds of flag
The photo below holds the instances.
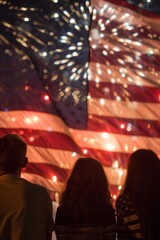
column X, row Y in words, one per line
column 79, row 79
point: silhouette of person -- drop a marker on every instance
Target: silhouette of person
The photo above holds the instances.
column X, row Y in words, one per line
column 138, row 206
column 86, row 199
column 25, row 208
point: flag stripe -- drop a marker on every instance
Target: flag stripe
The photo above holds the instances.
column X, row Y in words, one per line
column 86, row 139
column 139, row 127
column 137, row 8
column 112, row 6
column 52, row 139
column 127, row 29
column 48, row 171
column 64, row 159
column 108, row 158
column 147, row 45
column 127, row 93
column 33, row 120
column 131, row 110
column 25, row 121
column 113, row 142
column 121, row 58
column 101, row 73
column 58, row 158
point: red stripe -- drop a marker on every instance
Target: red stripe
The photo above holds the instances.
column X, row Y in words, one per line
column 121, row 126
column 147, row 33
column 144, row 12
column 147, row 62
column 129, row 93
column 45, row 139
column 107, row 158
column 47, row 171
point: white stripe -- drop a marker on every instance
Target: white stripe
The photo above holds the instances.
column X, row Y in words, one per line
column 121, row 109
column 114, row 142
column 59, row 158
column 32, row 120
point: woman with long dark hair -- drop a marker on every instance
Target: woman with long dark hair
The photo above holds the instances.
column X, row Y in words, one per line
column 86, row 199
column 138, row 207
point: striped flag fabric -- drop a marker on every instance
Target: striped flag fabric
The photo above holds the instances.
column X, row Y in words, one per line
column 79, row 79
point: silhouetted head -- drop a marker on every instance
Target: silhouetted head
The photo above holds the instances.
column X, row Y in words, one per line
column 143, row 167
column 88, row 173
column 12, row 153
column 86, row 195
column 143, row 181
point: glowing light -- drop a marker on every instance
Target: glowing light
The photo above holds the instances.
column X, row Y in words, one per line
column 13, row 119
column 31, row 139
column 118, row 98
column 102, row 101
column 129, row 127
column 44, row 54
column 26, row 88
column 97, row 80
column 74, row 154
column 104, row 135
column 85, row 151
column 114, row 196
column 115, row 164
column 104, row 52
column 110, row 146
column 21, row 132
column 28, row 121
column 126, row 148
column 72, row 20
column 134, row 149
column 54, row 178
column 120, row 187
column 46, row 97
column 35, row 118
column 26, row 19
column 120, row 172
column 99, row 71
column 122, row 126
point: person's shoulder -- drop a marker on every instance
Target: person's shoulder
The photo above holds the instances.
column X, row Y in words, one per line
column 35, row 187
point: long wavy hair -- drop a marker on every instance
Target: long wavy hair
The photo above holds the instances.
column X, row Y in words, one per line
column 143, row 183
column 86, row 190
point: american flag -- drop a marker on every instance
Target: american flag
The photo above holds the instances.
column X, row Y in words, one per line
column 79, row 78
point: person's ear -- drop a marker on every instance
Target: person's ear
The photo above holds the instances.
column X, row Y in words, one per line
column 25, row 161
